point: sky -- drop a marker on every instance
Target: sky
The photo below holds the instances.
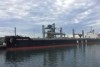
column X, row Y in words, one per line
column 28, row 16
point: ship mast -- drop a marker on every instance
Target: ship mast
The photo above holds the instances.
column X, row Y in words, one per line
column 15, row 31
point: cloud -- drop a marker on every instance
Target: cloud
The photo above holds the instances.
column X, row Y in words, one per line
column 29, row 15
column 61, row 6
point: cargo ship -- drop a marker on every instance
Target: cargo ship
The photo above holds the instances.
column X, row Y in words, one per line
column 50, row 39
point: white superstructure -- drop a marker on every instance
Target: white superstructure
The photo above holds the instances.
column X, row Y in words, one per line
column 91, row 34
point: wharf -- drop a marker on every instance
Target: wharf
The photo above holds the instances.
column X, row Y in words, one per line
column 2, row 46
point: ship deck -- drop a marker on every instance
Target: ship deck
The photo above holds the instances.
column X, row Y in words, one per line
column 65, row 38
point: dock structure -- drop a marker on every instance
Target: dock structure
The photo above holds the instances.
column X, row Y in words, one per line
column 2, row 44
column 50, row 31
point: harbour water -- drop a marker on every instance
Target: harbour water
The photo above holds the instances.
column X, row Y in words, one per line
column 77, row 56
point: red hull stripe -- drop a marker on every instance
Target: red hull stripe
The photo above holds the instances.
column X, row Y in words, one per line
column 39, row 47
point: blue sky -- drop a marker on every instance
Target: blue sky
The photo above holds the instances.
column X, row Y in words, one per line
column 29, row 15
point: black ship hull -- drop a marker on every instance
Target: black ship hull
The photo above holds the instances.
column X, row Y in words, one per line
column 21, row 43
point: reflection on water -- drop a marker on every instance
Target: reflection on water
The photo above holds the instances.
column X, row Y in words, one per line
column 78, row 56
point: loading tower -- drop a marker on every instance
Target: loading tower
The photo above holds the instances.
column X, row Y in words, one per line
column 50, row 31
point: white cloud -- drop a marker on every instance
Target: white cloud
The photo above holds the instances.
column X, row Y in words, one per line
column 61, row 6
column 3, row 14
column 82, row 16
column 13, row 9
column 95, row 25
column 29, row 14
